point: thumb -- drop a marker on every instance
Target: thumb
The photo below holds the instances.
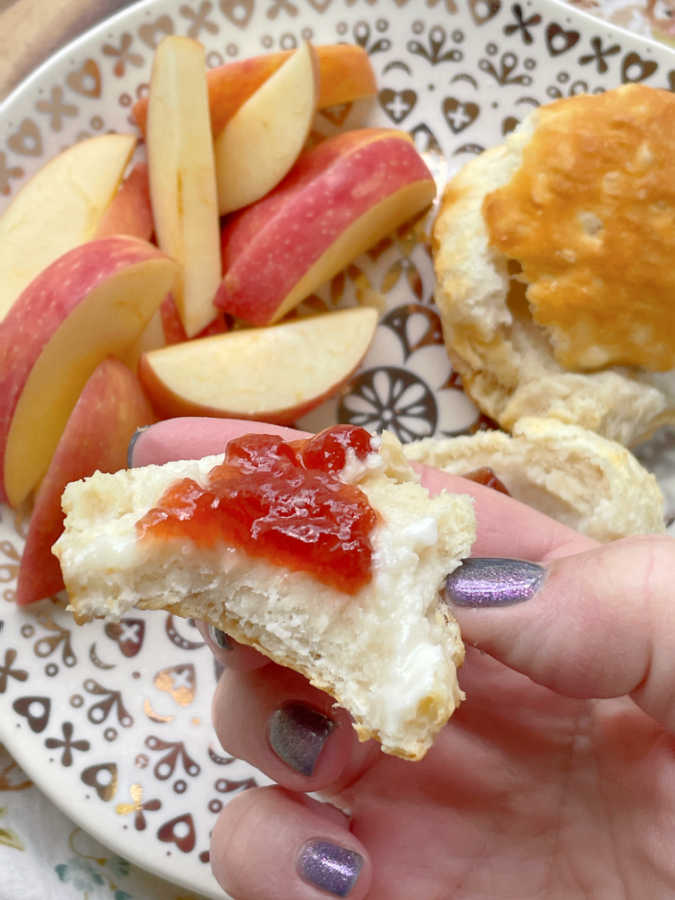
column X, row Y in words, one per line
column 595, row 624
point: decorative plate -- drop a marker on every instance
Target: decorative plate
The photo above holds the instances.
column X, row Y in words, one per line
column 112, row 722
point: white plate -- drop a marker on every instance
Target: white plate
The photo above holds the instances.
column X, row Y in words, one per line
column 113, row 723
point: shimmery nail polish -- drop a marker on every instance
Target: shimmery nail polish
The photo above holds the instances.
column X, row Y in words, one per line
column 220, row 639
column 329, row 867
column 132, row 443
column 483, row 581
column 297, row 733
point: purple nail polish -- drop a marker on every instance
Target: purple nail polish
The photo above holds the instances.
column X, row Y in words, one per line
column 220, row 639
column 297, row 733
column 483, row 581
column 329, row 867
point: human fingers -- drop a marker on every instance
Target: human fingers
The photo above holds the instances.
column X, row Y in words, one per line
column 505, row 527
column 592, row 624
column 191, row 437
column 314, row 855
column 231, row 653
column 275, row 720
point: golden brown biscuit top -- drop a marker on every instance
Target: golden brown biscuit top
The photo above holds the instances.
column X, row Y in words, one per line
column 590, row 217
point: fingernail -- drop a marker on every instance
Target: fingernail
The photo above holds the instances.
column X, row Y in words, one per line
column 132, row 443
column 329, row 867
column 482, row 581
column 220, row 639
column 297, row 733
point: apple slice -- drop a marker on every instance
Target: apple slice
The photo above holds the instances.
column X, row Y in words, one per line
column 91, row 303
column 340, row 198
column 263, row 139
column 110, row 408
column 130, row 211
column 345, row 75
column 182, row 176
column 275, row 374
column 60, row 207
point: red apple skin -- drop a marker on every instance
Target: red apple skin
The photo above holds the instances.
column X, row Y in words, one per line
column 130, row 210
column 172, row 324
column 268, row 246
column 45, row 304
column 110, row 408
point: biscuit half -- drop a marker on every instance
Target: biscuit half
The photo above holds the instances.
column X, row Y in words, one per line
column 521, row 351
column 389, row 653
column 585, row 481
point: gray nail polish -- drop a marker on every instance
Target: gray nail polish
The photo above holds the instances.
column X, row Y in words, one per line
column 297, row 733
column 132, row 443
column 329, row 867
column 220, row 639
column 482, row 581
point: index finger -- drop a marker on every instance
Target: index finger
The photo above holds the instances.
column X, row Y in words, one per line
column 505, row 527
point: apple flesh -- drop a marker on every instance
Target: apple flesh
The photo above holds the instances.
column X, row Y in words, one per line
column 183, row 176
column 166, row 327
column 91, row 303
column 110, row 408
column 60, row 207
column 275, row 374
column 263, row 139
column 339, row 199
column 345, row 75
column 130, row 211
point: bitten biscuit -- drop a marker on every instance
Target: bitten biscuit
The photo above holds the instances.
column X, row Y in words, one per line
column 553, row 254
column 388, row 653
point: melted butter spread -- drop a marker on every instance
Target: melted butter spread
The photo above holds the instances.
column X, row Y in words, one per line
column 590, row 217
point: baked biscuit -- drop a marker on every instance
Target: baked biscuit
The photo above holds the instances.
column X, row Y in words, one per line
column 552, row 254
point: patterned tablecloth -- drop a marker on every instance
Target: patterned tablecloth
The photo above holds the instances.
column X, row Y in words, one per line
column 42, row 853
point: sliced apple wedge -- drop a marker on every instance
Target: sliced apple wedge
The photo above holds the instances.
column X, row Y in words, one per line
column 130, row 210
column 340, row 198
column 110, row 408
column 345, row 75
column 263, row 139
column 183, row 177
column 91, row 303
column 275, row 374
column 60, row 207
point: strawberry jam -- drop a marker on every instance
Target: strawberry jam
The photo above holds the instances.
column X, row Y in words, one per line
column 282, row 502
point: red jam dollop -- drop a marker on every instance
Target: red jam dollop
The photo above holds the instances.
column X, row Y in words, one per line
column 282, row 502
column 485, row 475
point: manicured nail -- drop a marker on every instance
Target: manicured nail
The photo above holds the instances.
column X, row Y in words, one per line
column 297, row 733
column 132, row 443
column 481, row 581
column 329, row 867
column 220, row 639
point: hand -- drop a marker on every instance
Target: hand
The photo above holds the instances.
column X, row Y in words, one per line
column 555, row 778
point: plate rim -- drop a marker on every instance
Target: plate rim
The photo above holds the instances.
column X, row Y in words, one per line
column 67, row 803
